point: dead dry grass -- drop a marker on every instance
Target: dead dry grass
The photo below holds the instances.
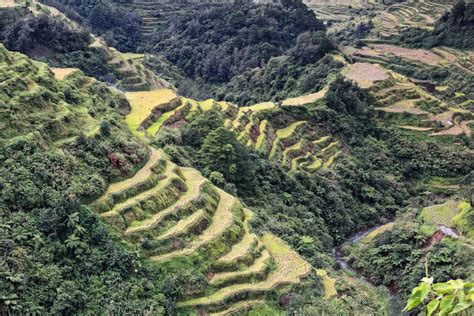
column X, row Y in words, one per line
column 61, row 73
column 419, row 55
column 305, row 99
column 453, row 131
column 366, row 74
column 416, row 128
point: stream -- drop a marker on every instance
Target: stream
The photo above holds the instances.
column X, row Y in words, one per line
column 337, row 251
column 395, row 304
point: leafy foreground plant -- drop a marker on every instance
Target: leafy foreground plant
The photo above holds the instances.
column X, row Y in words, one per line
column 452, row 297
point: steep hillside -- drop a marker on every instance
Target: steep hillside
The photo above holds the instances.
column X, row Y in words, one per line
column 71, row 147
column 60, row 133
column 305, row 165
column 454, row 29
column 321, row 135
column 174, row 213
column 220, row 42
column 120, row 27
column 199, row 61
column 57, row 151
column 154, row 12
column 268, row 129
column 350, row 21
column 42, row 32
column 437, row 231
column 423, row 88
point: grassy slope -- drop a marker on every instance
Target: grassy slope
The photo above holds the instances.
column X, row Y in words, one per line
column 290, row 268
column 142, row 103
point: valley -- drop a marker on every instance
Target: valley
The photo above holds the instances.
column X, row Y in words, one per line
column 323, row 170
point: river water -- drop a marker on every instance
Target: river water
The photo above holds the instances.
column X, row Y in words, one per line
column 395, row 303
column 337, row 251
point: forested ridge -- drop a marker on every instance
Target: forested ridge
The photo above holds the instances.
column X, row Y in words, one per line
column 216, row 48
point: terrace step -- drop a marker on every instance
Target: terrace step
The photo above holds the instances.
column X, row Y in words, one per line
column 315, row 165
column 243, row 248
column 263, row 127
column 320, row 141
column 276, row 149
column 290, row 268
column 156, row 125
column 258, row 267
column 183, row 225
column 331, row 159
column 289, row 150
column 193, row 181
column 139, row 179
column 328, row 147
column 146, row 105
column 239, row 306
column 163, row 195
column 169, row 174
column 222, row 220
column 286, row 132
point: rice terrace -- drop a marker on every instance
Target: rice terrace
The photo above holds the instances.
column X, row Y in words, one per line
column 250, row 157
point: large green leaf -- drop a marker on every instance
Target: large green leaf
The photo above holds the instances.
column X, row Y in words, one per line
column 418, row 294
column 448, row 287
column 460, row 307
column 444, row 288
column 446, row 304
column 431, row 307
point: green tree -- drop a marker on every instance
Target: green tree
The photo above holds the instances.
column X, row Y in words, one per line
column 222, row 152
column 219, row 152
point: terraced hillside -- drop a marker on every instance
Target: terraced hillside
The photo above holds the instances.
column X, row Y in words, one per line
column 434, row 107
column 293, row 144
column 133, row 76
column 173, row 212
column 22, row 84
column 400, row 16
column 388, row 19
column 128, row 68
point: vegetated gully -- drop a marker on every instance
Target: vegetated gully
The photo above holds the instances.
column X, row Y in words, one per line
column 395, row 303
column 342, row 260
column 337, row 251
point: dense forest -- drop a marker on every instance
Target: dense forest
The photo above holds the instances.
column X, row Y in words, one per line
column 219, row 43
column 57, row 42
column 118, row 26
column 304, row 69
column 218, row 50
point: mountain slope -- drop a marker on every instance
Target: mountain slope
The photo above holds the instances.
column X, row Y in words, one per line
column 61, row 142
column 42, row 32
column 197, row 221
column 150, row 202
